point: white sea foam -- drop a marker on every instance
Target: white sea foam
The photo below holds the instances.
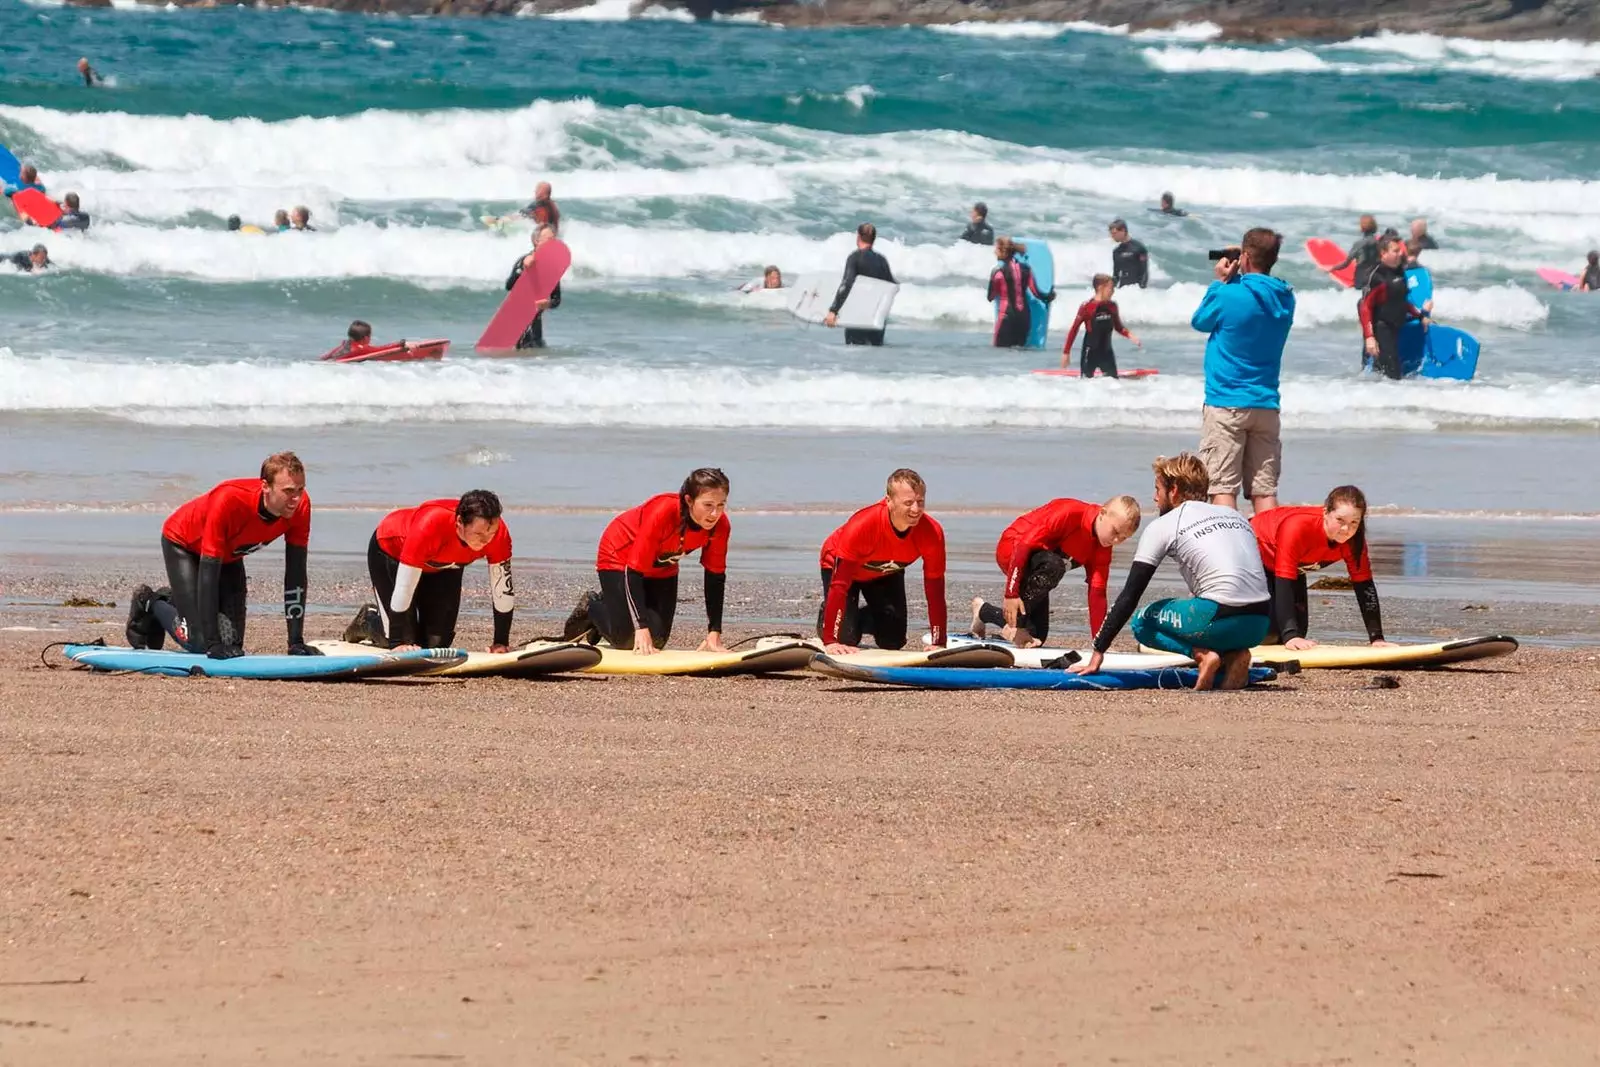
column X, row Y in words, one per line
column 1011, row 30
column 1528, row 60
column 1181, row 31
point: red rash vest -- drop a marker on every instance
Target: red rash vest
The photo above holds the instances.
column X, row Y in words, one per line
column 1065, row 526
column 425, row 537
column 1293, row 541
column 651, row 538
column 867, row 547
column 226, row 524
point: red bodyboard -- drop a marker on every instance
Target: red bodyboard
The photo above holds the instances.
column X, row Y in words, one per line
column 518, row 309
column 1136, row 372
column 32, row 204
column 396, row 352
column 1324, row 253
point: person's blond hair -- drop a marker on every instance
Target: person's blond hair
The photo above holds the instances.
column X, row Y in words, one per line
column 906, row 476
column 1124, row 511
column 1186, row 473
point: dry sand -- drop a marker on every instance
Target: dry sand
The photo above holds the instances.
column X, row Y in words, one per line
column 798, row 871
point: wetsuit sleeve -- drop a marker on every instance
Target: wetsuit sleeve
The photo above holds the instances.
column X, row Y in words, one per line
column 1350, row 257
column 555, row 296
column 851, row 268
column 1144, row 267
column 1284, row 619
column 933, row 564
column 294, row 592
column 1116, row 320
column 1209, row 314
column 1139, row 576
column 1072, row 332
column 516, row 272
column 994, row 285
column 1367, row 601
column 844, row 572
column 1018, row 563
column 716, row 593
column 502, row 600
column 1369, row 305
column 889, row 274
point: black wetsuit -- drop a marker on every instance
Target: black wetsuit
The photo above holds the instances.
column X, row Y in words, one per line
column 654, row 600
column 533, row 336
column 73, row 220
column 884, row 610
column 23, row 261
column 194, row 581
column 1591, row 277
column 864, row 263
column 1130, row 264
column 430, row 622
column 1044, row 571
column 545, row 213
column 1388, row 312
column 1364, row 254
column 1178, row 212
column 1426, row 242
column 1097, row 354
column 1009, row 284
column 979, row 233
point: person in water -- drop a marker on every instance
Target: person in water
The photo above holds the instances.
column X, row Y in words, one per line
column 1038, row 549
column 866, row 560
column 864, row 262
column 37, row 258
column 415, row 559
column 1295, row 540
column 27, row 178
column 300, row 219
column 234, row 223
column 72, row 216
column 1386, row 307
column 771, row 278
column 1009, row 285
column 543, row 211
column 1364, row 253
column 1169, row 206
column 1419, row 234
column 533, row 334
column 358, row 339
column 280, row 220
column 1589, row 277
column 1130, row 260
column 91, row 77
column 637, row 564
column 978, row 230
column 1098, row 316
column 204, row 544
column 1227, row 610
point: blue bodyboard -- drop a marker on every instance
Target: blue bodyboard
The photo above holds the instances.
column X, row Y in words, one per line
column 1043, row 266
column 301, row 668
column 1419, row 286
column 1438, row 352
column 1021, row 677
column 10, row 169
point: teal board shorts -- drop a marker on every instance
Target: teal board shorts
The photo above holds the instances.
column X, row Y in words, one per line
column 1180, row 625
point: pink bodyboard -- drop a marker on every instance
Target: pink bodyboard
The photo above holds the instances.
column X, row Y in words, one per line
column 32, row 204
column 1058, row 372
column 1324, row 253
column 519, row 307
column 1558, row 278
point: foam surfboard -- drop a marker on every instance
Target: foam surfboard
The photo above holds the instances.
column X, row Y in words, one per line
column 1020, row 678
column 283, row 668
column 532, row 660
column 771, row 659
column 1438, row 352
column 866, row 308
column 395, row 352
column 34, row 205
column 1558, row 278
column 1072, row 372
column 1419, row 286
column 10, row 167
column 1324, row 253
column 520, row 304
column 972, row 653
column 1045, row 657
column 1356, row 657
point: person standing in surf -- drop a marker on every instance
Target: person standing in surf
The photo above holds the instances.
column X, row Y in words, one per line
column 978, row 231
column 866, row 560
column 864, row 262
column 1038, row 549
column 533, row 334
column 543, row 211
column 1295, row 540
column 204, row 544
column 637, row 564
column 1589, row 278
column 1130, row 260
column 1009, row 284
column 1386, row 307
column 1364, row 253
column 1101, row 316
column 1226, row 612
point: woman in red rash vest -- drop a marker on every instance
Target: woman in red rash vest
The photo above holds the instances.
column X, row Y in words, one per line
column 1294, row 540
column 637, row 564
column 866, row 559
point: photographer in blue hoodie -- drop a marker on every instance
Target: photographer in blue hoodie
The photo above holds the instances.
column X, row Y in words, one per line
column 1248, row 314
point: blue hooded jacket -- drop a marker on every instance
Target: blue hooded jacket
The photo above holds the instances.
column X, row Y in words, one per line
column 1249, row 322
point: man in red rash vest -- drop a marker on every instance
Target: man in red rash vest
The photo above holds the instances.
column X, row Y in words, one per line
column 1038, row 549
column 866, row 559
column 415, row 559
column 204, row 544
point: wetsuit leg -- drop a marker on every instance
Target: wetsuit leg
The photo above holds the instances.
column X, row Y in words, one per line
column 863, row 337
column 383, row 569
column 183, row 577
column 611, row 616
column 533, row 336
column 231, row 599
column 1103, row 361
column 1302, row 605
column 886, row 609
column 661, row 600
column 1011, row 330
column 1180, row 625
column 1388, row 361
column 437, row 603
column 850, row 621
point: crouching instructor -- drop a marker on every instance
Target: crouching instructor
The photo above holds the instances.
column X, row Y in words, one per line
column 415, row 560
column 204, row 543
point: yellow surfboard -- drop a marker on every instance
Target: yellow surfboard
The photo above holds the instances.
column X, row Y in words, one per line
column 530, row 661
column 770, row 659
column 1401, row 657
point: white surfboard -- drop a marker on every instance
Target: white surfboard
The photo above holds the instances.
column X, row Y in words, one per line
column 866, row 308
column 1061, row 657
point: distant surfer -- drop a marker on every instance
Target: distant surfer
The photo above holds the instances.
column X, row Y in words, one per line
column 1009, row 285
column 1169, row 206
column 1099, row 317
column 1364, row 253
column 300, row 219
column 1038, row 549
column 543, row 211
column 1130, row 260
column 978, row 230
column 864, row 262
column 866, row 560
column 36, row 258
column 1294, row 540
column 1420, row 234
column 1226, row 612
column 1386, row 307
column 280, row 220
column 771, row 278
column 1589, row 279
column 358, row 340
column 415, row 560
column 73, row 217
column 91, row 77
column 637, row 565
column 27, row 178
column 204, row 544
column 533, row 334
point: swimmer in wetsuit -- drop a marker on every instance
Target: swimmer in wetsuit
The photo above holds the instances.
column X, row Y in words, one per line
column 91, row 77
column 358, row 339
column 1364, row 253
column 415, row 560
column 637, row 564
column 1170, row 207
column 1227, row 610
column 1295, row 540
column 1130, row 260
column 72, row 217
column 1589, row 279
column 1009, row 283
column 864, row 262
column 978, row 230
column 1100, row 317
column 204, row 544
column 533, row 334
column 771, row 278
column 37, row 258
column 543, row 211
column 1038, row 549
column 300, row 220
column 866, row 560
column 1386, row 307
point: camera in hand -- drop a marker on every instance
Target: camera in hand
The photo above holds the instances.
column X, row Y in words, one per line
column 1223, row 253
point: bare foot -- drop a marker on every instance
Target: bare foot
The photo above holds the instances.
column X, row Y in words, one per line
column 1235, row 669
column 978, row 630
column 1210, row 664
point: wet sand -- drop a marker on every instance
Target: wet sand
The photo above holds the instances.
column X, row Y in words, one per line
column 795, row 870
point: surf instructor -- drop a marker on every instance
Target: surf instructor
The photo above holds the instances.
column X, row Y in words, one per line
column 864, row 262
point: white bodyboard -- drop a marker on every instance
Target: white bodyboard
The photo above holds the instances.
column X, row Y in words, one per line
column 867, row 307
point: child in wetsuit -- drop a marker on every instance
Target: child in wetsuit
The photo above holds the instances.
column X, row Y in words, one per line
column 1099, row 316
column 358, row 340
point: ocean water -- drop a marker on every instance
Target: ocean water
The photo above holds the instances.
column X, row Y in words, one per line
column 164, row 353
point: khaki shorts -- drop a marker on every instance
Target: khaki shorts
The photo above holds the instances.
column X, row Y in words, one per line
column 1241, row 447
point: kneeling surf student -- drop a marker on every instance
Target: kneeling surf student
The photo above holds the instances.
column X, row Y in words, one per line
column 1010, row 283
column 1099, row 316
column 1387, row 307
column 1295, row 540
column 204, row 544
column 533, row 335
column 1226, row 612
column 1038, row 549
column 866, row 560
column 358, row 339
column 864, row 262
column 415, row 559
column 637, row 564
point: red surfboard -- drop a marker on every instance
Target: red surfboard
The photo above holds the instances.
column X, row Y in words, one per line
column 33, row 205
column 521, row 304
column 395, row 352
column 1059, row 372
column 1324, row 253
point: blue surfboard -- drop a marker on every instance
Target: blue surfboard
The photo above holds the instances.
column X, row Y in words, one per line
column 1419, row 286
column 1021, row 677
column 10, row 169
column 1043, row 266
column 301, row 668
column 1438, row 352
